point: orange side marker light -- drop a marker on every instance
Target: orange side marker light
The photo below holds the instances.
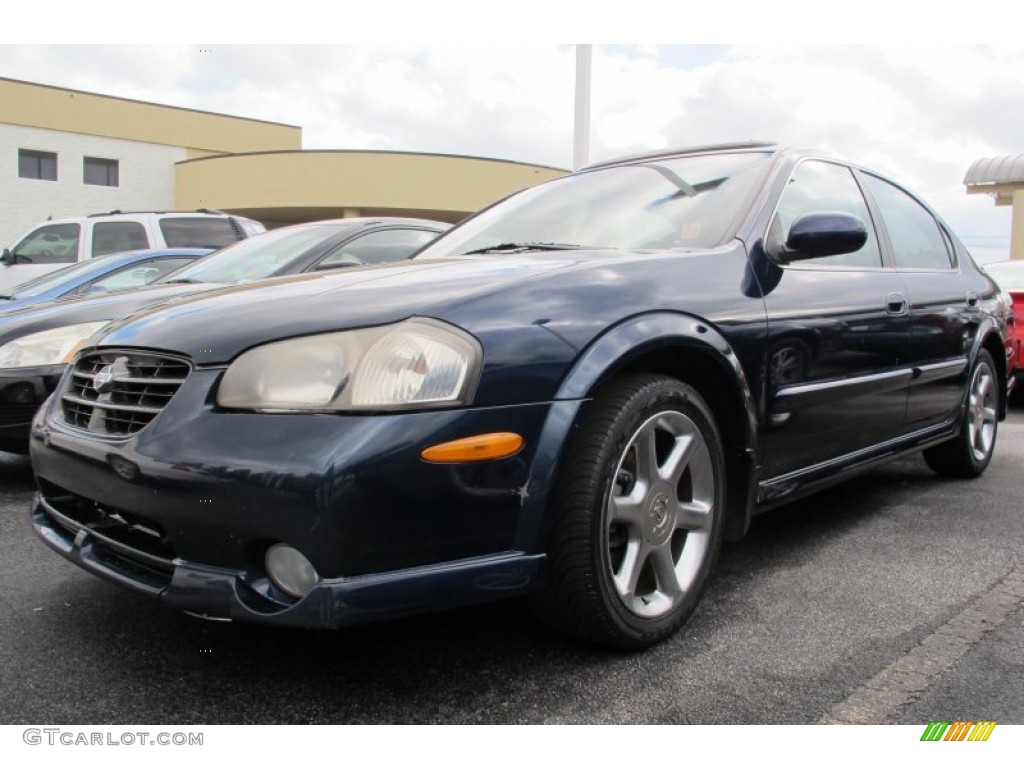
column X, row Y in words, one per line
column 494, row 445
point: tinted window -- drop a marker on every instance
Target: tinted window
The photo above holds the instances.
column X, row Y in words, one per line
column 665, row 203
column 101, row 172
column 916, row 238
column 200, row 232
column 50, row 244
column 136, row 275
column 817, row 187
column 51, row 280
column 274, row 253
column 379, row 247
column 118, row 236
column 37, row 165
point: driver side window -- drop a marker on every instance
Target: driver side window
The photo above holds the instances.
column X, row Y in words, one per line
column 817, row 187
column 50, row 244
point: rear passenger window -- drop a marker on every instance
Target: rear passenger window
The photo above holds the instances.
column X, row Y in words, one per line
column 206, row 232
column 916, row 238
column 118, row 236
column 379, row 247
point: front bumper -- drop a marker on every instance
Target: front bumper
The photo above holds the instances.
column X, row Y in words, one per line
column 219, row 593
column 185, row 509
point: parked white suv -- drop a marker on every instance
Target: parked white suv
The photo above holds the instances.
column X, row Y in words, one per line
column 55, row 243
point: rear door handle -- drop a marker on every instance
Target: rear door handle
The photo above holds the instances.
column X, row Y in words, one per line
column 972, row 299
column 895, row 304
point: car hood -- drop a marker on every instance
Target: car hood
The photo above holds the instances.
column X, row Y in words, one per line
column 33, row 318
column 216, row 327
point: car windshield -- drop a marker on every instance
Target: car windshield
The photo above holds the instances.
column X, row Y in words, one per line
column 257, row 257
column 1009, row 274
column 671, row 203
column 52, row 280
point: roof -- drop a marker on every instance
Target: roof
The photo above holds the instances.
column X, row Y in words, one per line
column 996, row 170
column 739, row 145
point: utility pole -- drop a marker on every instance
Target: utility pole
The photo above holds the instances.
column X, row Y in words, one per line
column 581, row 141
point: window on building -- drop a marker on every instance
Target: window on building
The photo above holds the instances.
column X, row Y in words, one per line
column 37, row 165
column 101, row 172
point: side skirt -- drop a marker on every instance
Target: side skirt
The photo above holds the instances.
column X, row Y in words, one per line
column 803, row 482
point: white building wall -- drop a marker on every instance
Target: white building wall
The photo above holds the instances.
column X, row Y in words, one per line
column 146, row 178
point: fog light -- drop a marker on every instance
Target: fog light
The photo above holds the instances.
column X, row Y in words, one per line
column 290, row 570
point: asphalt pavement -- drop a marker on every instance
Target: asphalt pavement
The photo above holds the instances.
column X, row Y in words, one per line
column 893, row 598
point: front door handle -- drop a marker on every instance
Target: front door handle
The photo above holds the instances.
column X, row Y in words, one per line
column 895, row 304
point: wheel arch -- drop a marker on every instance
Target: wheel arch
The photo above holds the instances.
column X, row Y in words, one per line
column 990, row 339
column 683, row 346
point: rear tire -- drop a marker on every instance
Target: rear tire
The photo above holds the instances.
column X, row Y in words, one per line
column 638, row 514
column 968, row 454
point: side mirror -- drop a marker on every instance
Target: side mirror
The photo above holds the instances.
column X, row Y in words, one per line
column 7, row 257
column 822, row 234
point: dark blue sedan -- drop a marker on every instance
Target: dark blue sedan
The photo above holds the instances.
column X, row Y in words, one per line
column 102, row 274
column 578, row 394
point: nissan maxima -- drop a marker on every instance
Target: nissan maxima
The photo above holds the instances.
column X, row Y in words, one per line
column 577, row 395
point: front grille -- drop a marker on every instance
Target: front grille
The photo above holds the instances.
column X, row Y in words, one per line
column 119, row 392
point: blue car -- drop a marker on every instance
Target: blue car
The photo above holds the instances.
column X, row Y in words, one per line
column 102, row 274
column 577, row 394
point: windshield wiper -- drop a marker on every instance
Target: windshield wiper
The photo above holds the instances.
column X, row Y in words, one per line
column 181, row 280
column 517, row 247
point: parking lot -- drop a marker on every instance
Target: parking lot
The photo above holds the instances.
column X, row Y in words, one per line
column 857, row 604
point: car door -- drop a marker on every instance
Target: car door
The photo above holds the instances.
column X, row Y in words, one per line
column 42, row 250
column 838, row 330
column 943, row 303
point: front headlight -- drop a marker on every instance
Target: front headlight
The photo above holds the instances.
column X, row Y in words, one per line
column 413, row 364
column 51, row 347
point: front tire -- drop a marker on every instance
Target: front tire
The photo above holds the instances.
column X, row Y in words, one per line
column 639, row 514
column 968, row 454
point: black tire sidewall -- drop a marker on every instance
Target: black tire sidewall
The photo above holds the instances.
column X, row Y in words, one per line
column 661, row 394
column 955, row 458
column 984, row 358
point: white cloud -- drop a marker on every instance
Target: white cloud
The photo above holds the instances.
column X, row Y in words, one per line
column 919, row 113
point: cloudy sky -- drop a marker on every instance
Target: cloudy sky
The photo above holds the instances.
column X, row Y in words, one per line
column 921, row 114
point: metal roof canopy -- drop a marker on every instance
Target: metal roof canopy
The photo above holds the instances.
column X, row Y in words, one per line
column 999, row 177
column 996, row 170
column 1003, row 179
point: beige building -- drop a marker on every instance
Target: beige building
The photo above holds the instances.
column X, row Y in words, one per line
column 65, row 152
column 1003, row 179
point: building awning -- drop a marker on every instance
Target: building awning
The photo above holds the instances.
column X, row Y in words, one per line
column 996, row 176
column 996, row 170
